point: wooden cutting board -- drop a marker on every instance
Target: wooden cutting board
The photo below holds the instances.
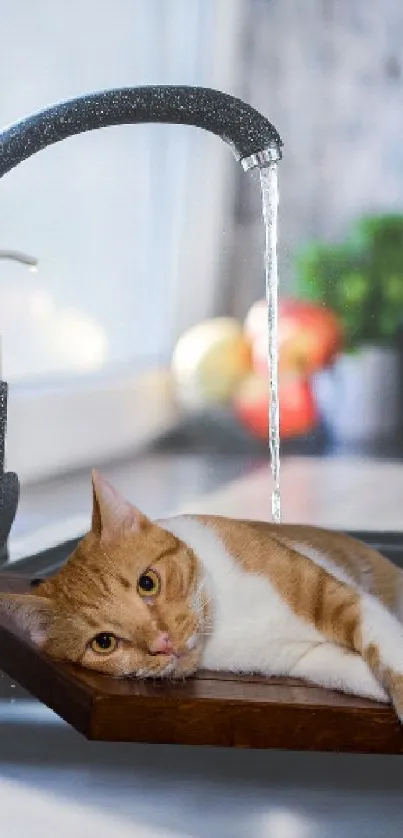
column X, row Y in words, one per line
column 212, row 709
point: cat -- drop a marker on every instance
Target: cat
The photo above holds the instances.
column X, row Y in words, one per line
column 163, row 599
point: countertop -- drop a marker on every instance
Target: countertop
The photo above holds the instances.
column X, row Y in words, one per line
column 55, row 782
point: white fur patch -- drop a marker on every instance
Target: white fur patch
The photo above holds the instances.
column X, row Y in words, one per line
column 334, row 667
column 253, row 628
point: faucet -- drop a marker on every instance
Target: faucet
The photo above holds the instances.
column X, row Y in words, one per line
column 253, row 139
column 9, row 485
column 16, row 256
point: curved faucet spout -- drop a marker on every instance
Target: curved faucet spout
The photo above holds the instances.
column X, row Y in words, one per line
column 253, row 139
column 18, row 256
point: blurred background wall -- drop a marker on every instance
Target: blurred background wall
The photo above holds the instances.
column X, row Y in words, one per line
column 117, row 217
column 329, row 74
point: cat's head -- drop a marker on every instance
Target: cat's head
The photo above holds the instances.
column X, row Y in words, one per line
column 129, row 601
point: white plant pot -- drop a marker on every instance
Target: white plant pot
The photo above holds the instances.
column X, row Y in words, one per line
column 359, row 396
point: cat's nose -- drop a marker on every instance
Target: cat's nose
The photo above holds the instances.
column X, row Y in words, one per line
column 161, row 645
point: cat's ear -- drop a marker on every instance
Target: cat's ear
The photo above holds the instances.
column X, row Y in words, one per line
column 30, row 614
column 112, row 514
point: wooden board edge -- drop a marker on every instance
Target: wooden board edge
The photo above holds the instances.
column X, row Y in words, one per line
column 38, row 676
column 239, row 724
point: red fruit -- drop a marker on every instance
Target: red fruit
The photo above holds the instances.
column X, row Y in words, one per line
column 298, row 412
column 310, row 335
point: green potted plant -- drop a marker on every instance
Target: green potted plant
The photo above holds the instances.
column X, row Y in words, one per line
column 361, row 280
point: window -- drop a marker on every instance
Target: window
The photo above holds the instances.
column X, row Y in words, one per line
column 125, row 223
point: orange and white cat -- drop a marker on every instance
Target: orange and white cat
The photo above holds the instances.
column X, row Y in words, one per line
column 165, row 598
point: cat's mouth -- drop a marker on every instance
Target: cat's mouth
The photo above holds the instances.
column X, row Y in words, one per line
column 178, row 664
column 183, row 662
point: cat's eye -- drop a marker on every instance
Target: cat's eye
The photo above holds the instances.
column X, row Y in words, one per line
column 149, row 584
column 104, row 643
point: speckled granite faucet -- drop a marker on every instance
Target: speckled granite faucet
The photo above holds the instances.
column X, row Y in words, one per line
column 23, row 258
column 252, row 138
